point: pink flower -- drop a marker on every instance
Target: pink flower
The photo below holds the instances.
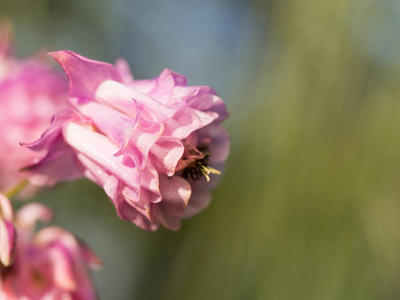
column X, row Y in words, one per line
column 156, row 146
column 7, row 231
column 30, row 94
column 49, row 264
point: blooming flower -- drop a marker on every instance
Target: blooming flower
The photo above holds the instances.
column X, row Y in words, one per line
column 49, row 264
column 156, row 146
column 30, row 94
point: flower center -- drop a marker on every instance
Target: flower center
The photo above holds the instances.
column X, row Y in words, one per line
column 199, row 165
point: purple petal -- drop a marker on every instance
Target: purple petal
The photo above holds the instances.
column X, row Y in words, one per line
column 220, row 142
column 199, row 200
column 168, row 221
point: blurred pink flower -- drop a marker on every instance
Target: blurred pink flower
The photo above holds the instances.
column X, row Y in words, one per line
column 49, row 264
column 7, row 231
column 155, row 145
column 30, row 94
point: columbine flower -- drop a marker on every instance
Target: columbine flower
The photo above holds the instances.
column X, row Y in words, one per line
column 156, row 145
column 30, row 94
column 48, row 264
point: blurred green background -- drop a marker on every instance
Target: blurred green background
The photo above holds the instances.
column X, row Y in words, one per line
column 309, row 205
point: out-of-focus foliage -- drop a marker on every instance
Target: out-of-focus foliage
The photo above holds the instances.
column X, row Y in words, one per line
column 309, row 206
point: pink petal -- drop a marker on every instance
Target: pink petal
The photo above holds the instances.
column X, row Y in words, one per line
column 93, row 171
column 64, row 116
column 185, row 121
column 176, row 193
column 124, row 71
column 164, row 86
column 89, row 255
column 101, row 151
column 143, row 86
column 150, row 180
column 63, row 266
column 140, row 143
column 84, row 74
column 120, row 97
column 207, row 100
column 166, row 155
column 175, row 190
column 117, row 126
column 31, row 213
column 58, row 165
column 7, row 240
column 127, row 212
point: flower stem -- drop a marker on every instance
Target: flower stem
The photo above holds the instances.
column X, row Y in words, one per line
column 16, row 189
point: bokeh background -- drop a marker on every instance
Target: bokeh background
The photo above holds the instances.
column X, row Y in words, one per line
column 309, row 205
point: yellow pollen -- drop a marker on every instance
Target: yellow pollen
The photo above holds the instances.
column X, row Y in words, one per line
column 207, row 170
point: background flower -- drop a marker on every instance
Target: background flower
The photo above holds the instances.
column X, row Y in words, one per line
column 7, row 232
column 30, row 94
column 49, row 264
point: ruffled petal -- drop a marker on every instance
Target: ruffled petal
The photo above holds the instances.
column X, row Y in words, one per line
column 150, row 181
column 185, row 121
column 206, row 99
column 64, row 116
column 128, row 212
column 166, row 155
column 164, row 86
column 59, row 164
column 116, row 125
column 140, row 143
column 121, row 97
column 101, row 150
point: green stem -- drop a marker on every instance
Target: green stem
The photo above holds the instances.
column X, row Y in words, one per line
column 16, row 189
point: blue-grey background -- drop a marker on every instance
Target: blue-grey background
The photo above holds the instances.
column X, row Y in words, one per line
column 309, row 205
